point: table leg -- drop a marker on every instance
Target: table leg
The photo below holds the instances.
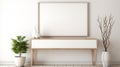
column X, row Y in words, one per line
column 94, row 54
column 32, row 57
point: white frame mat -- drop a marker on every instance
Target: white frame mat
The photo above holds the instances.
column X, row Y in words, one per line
column 63, row 18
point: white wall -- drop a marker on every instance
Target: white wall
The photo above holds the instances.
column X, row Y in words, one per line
column 18, row 17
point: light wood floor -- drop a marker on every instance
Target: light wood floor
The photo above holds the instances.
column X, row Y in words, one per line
column 65, row 65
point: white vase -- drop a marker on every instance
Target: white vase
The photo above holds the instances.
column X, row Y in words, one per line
column 37, row 36
column 105, row 59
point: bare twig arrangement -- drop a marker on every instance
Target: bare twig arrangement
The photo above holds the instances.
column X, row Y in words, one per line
column 105, row 25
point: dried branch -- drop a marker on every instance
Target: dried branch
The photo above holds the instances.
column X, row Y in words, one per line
column 105, row 25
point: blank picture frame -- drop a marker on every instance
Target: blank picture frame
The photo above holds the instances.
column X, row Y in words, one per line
column 63, row 18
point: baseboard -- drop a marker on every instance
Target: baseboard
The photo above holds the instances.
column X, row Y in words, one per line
column 63, row 62
column 11, row 63
column 115, row 62
column 56, row 62
column 6, row 62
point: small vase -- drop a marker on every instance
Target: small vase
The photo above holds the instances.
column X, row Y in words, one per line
column 105, row 59
column 37, row 36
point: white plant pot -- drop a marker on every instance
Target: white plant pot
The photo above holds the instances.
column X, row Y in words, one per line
column 20, row 61
column 105, row 59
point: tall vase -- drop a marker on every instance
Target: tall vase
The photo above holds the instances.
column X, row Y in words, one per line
column 105, row 59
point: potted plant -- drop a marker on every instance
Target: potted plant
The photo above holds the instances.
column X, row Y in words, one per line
column 19, row 46
column 105, row 26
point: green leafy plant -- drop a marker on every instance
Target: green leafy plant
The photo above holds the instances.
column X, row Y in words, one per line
column 19, row 45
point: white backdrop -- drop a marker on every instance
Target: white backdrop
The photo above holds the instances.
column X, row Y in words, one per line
column 19, row 17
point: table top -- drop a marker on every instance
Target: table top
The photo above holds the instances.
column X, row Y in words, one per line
column 64, row 38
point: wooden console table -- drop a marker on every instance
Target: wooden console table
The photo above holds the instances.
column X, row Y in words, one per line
column 66, row 43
